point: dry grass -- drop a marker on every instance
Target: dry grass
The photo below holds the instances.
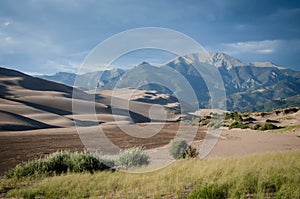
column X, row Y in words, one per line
column 269, row 175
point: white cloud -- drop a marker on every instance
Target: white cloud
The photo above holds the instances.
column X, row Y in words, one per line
column 281, row 52
column 4, row 22
column 256, row 47
column 7, row 23
column 38, row 47
column 265, row 51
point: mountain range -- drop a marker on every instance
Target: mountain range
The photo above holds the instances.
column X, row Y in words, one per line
column 257, row 86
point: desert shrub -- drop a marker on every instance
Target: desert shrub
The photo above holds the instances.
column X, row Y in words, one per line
column 256, row 127
column 204, row 121
column 277, row 112
column 268, row 126
column 233, row 116
column 291, row 110
column 132, row 157
column 238, row 124
column 58, row 163
column 178, row 148
column 229, row 116
column 81, row 162
column 106, row 159
column 190, row 152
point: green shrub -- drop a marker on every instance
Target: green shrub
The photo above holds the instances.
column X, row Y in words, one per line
column 87, row 162
column 256, row 127
column 204, row 122
column 190, row 152
column 132, row 157
column 238, row 124
column 178, row 148
column 233, row 116
column 58, row 163
column 268, row 126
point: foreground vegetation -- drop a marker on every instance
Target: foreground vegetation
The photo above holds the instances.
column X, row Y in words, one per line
column 65, row 161
column 275, row 175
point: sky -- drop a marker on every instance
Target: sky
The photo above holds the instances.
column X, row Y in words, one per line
column 49, row 36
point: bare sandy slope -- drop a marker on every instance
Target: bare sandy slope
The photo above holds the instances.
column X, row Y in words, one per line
column 151, row 97
column 32, row 103
column 237, row 142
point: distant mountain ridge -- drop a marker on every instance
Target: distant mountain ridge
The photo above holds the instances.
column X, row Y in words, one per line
column 104, row 79
column 249, row 86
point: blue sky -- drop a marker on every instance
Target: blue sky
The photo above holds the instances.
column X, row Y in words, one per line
column 48, row 36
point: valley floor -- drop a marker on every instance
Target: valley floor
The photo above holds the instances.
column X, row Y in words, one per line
column 21, row 146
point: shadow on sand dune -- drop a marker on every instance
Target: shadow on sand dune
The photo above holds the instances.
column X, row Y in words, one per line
column 22, row 123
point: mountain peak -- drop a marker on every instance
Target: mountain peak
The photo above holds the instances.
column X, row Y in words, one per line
column 218, row 59
column 222, row 59
column 213, row 58
column 144, row 63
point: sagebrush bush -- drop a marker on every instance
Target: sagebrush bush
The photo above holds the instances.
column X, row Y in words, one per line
column 178, row 148
column 58, row 163
column 88, row 162
column 268, row 126
column 256, row 127
column 238, row 124
column 190, row 152
column 132, row 157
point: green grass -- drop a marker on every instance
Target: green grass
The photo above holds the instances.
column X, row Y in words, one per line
column 275, row 175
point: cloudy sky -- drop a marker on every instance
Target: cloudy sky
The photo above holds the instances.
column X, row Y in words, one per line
column 48, row 36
